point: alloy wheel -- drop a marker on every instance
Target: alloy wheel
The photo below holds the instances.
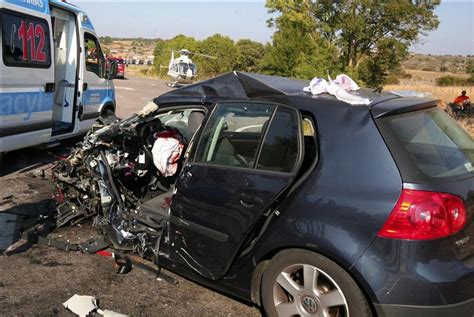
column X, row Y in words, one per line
column 305, row 290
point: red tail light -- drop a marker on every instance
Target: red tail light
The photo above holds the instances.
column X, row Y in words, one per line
column 423, row 215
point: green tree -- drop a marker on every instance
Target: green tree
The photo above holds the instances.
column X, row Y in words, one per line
column 249, row 55
column 363, row 32
column 106, row 40
column 224, row 51
column 294, row 54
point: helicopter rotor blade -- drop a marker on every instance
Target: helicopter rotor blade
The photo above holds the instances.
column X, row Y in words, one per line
column 203, row 55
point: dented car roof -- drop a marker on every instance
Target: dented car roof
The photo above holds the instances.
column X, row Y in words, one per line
column 240, row 85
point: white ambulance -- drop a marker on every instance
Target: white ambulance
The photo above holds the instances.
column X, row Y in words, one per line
column 54, row 79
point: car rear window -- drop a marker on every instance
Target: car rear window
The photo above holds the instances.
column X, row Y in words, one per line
column 428, row 145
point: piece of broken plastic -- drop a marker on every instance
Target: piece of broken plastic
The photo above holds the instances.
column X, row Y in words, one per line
column 81, row 305
column 109, row 313
column 149, row 107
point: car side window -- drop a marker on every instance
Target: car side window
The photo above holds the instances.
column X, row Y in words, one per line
column 186, row 121
column 95, row 61
column 280, row 147
column 233, row 134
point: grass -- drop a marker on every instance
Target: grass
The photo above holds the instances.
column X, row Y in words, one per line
column 446, row 94
column 140, row 71
column 425, row 82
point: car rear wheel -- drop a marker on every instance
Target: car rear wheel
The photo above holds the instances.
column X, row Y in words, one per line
column 303, row 283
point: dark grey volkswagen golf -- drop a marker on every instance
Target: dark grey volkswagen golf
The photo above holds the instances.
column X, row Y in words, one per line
column 304, row 205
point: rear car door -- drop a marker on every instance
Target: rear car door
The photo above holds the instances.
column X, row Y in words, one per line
column 247, row 154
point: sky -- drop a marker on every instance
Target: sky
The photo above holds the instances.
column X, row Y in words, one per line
column 248, row 19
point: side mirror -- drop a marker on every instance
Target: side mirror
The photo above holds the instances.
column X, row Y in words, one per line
column 111, row 70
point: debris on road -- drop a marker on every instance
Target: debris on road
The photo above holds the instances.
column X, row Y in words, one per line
column 83, row 305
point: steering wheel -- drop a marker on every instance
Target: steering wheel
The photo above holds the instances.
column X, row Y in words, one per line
column 146, row 136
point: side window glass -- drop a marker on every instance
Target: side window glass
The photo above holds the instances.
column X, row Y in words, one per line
column 280, row 147
column 25, row 41
column 186, row 122
column 233, row 134
column 95, row 61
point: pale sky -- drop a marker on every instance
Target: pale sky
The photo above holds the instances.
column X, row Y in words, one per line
column 247, row 19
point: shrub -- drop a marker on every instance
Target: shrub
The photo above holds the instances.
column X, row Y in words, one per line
column 391, row 79
column 451, row 81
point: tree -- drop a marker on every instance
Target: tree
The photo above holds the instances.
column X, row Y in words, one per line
column 106, row 40
column 249, row 55
column 294, row 54
column 361, row 31
column 221, row 47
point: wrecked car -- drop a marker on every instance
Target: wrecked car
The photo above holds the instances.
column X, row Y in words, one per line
column 305, row 205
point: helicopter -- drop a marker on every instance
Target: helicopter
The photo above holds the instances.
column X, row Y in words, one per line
column 182, row 70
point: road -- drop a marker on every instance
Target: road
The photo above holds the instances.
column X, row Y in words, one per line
column 37, row 280
column 132, row 94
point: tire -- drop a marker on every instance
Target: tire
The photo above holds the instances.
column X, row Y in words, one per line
column 334, row 293
column 108, row 116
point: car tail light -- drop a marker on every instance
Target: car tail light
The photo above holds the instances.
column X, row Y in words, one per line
column 424, row 215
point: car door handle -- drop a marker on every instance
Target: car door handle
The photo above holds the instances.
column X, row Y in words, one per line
column 249, row 201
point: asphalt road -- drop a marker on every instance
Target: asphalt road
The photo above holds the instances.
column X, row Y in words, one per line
column 37, row 280
column 132, row 94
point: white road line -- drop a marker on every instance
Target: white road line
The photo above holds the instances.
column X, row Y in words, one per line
column 124, row 88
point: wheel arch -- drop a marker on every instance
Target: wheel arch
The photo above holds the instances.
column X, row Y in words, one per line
column 264, row 261
column 109, row 105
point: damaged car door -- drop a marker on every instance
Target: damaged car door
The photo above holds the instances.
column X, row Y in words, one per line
column 247, row 155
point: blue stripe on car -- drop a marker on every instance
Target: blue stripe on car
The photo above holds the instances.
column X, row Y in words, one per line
column 28, row 103
column 25, row 103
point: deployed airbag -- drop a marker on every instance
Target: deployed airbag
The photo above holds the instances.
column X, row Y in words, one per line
column 166, row 152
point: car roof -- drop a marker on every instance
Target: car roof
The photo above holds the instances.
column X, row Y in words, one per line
column 240, row 86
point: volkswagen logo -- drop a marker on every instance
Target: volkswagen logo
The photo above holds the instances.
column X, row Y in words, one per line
column 309, row 304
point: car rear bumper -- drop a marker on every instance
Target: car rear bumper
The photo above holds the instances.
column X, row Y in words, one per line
column 417, row 276
column 465, row 308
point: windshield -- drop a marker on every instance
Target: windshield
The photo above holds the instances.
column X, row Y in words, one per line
column 184, row 67
column 431, row 143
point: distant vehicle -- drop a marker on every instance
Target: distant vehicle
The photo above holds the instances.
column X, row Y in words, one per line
column 54, row 79
column 121, row 66
column 182, row 70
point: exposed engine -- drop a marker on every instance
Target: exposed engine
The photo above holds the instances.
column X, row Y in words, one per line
column 111, row 175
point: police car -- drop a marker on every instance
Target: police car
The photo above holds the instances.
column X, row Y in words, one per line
column 54, row 79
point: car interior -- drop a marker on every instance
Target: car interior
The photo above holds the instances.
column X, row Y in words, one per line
column 230, row 143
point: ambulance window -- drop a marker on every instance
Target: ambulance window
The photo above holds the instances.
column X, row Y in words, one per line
column 95, row 61
column 25, row 41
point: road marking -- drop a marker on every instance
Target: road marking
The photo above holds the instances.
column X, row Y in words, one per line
column 124, row 88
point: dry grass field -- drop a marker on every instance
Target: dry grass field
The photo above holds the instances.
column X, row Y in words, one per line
column 425, row 82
